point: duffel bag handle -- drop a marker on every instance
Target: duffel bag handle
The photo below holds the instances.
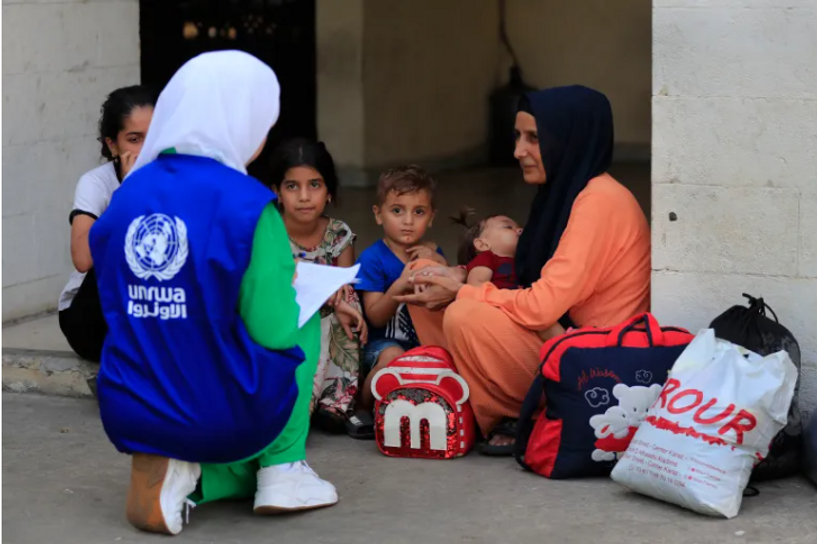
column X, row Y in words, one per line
column 525, row 425
column 655, row 336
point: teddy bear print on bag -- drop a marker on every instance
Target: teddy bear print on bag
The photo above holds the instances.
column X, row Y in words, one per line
column 616, row 427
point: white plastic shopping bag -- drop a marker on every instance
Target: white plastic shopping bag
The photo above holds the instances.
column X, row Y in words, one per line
column 712, row 422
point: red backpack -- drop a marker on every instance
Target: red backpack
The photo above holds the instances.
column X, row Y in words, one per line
column 422, row 407
column 598, row 385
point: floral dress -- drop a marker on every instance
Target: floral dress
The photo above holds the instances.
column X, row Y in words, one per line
column 336, row 380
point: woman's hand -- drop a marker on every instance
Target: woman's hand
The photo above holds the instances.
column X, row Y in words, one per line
column 352, row 321
column 435, row 287
column 454, row 273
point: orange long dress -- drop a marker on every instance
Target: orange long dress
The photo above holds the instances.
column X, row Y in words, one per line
column 600, row 273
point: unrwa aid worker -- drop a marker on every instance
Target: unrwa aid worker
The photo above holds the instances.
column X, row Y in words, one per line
column 205, row 377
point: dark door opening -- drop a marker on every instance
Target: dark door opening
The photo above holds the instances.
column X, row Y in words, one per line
column 279, row 32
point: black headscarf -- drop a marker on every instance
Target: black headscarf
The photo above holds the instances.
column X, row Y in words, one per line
column 575, row 126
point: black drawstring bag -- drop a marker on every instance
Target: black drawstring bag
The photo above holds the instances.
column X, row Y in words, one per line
column 750, row 328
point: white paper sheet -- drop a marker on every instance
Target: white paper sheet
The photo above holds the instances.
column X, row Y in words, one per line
column 316, row 283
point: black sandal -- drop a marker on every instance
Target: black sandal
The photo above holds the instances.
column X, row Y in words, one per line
column 329, row 421
column 506, row 427
column 360, row 426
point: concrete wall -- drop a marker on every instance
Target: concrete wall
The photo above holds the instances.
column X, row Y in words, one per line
column 735, row 157
column 409, row 81
column 59, row 62
column 405, row 81
column 429, row 67
column 341, row 121
column 599, row 43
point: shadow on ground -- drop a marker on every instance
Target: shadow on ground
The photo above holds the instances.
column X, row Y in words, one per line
column 63, row 482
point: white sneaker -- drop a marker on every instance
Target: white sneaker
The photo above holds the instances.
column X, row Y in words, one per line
column 158, row 493
column 291, row 487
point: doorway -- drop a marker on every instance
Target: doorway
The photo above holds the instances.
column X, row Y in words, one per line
column 279, row 32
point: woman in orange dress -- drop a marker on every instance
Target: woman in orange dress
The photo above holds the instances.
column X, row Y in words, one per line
column 583, row 260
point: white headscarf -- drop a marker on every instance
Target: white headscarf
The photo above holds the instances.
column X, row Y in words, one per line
column 219, row 105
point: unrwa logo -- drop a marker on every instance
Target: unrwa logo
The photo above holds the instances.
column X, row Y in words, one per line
column 156, row 246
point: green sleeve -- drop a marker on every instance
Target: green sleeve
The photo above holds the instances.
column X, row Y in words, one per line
column 267, row 298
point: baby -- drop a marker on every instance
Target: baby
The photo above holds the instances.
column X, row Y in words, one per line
column 488, row 250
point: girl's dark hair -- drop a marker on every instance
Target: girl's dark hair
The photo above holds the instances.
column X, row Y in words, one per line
column 117, row 107
column 467, row 252
column 304, row 152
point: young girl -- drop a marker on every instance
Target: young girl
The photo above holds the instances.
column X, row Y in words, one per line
column 304, row 178
column 126, row 115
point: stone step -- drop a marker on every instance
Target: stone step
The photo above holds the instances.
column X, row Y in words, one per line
column 48, row 372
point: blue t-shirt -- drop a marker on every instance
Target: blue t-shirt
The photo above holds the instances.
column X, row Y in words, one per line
column 379, row 269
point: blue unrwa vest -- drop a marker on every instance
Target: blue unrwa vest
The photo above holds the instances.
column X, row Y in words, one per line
column 180, row 376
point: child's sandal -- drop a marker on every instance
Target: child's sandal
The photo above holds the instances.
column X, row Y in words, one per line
column 360, row 426
column 329, row 421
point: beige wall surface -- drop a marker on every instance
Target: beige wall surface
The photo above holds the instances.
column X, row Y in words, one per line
column 60, row 60
column 409, row 81
column 604, row 44
column 339, row 36
column 429, row 68
column 405, row 81
column 735, row 158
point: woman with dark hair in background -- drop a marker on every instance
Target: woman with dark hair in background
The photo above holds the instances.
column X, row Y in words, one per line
column 126, row 116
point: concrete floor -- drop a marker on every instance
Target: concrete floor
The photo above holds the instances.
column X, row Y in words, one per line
column 63, row 482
